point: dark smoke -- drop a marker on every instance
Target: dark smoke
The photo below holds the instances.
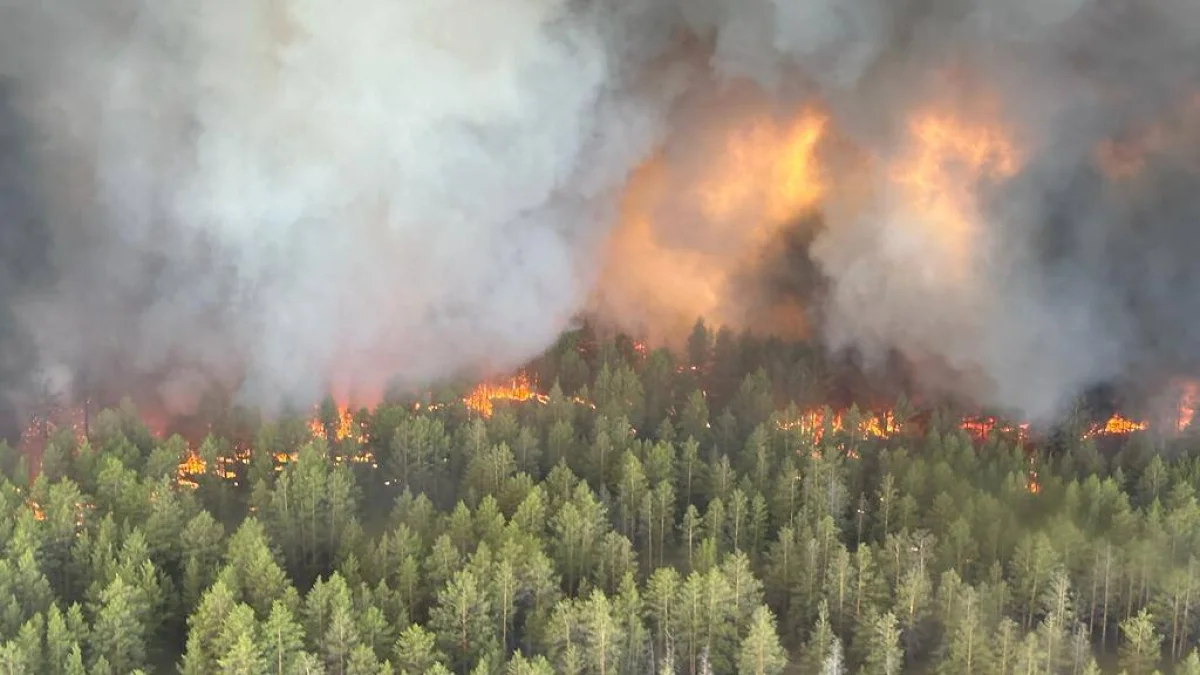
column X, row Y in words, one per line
column 277, row 197
column 23, row 254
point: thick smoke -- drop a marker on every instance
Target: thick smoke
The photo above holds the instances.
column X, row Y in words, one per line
column 287, row 196
column 277, row 197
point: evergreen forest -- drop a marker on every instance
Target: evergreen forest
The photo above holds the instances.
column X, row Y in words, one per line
column 721, row 509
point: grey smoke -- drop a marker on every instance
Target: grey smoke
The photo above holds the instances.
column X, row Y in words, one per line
column 282, row 196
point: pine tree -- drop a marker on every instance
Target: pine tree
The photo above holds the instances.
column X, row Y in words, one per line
column 519, row 665
column 460, row 619
column 881, row 650
column 118, row 634
column 603, row 637
column 282, row 640
column 1189, row 665
column 416, row 650
column 1140, row 650
column 969, row 651
column 761, row 653
column 243, row 657
column 820, row 642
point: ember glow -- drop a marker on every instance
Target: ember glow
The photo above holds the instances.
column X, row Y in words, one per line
column 42, row 425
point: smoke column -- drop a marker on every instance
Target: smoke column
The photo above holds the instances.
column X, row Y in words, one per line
column 288, row 196
column 277, row 197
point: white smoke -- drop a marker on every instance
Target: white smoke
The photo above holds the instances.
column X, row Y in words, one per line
column 288, row 195
column 307, row 190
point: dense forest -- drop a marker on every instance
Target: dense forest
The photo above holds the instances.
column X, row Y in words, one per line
column 719, row 510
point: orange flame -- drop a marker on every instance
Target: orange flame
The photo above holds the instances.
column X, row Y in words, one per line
column 1032, row 484
column 1187, row 405
column 344, row 426
column 189, row 469
column 813, row 423
column 519, row 388
column 981, row 428
column 1115, row 426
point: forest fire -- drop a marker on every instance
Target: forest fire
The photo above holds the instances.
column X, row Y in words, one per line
column 338, row 423
column 1116, row 425
column 43, row 425
column 519, row 388
column 869, row 425
column 842, row 337
column 1186, row 411
column 190, row 468
column 981, row 428
column 341, row 427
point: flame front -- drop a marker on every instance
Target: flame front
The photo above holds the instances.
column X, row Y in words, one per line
column 1115, row 426
column 190, row 468
column 343, row 427
column 870, row 425
column 981, row 428
column 519, row 388
column 1187, row 405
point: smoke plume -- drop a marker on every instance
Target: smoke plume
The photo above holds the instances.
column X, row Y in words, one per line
column 280, row 197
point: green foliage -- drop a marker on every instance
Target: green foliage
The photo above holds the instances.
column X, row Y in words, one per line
column 675, row 519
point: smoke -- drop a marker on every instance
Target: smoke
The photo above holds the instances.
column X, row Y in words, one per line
column 284, row 196
column 279, row 197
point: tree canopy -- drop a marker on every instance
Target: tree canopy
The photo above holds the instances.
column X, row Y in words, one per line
column 642, row 512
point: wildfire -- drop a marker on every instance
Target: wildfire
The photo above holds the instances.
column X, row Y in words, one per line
column 813, row 423
column 192, row 466
column 1187, row 405
column 1031, row 483
column 980, row 428
column 43, row 425
column 1115, row 426
column 344, row 426
column 519, row 388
